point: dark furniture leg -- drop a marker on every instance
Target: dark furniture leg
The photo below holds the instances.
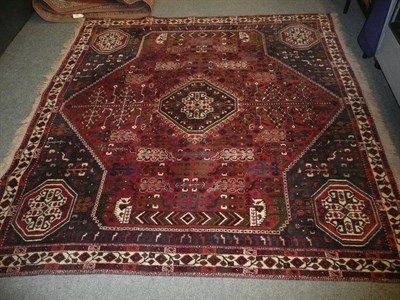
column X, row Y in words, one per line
column 346, row 6
column 377, row 65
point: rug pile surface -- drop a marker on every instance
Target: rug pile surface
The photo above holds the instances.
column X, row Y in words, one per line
column 221, row 146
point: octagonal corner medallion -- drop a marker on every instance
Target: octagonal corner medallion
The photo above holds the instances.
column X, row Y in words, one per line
column 110, row 41
column 345, row 213
column 44, row 210
column 299, row 36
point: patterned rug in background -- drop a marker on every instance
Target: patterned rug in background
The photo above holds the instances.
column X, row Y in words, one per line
column 223, row 146
column 75, row 10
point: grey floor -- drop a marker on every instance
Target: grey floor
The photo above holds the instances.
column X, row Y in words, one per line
column 23, row 69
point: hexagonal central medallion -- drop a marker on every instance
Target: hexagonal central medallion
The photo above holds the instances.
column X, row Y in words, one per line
column 197, row 106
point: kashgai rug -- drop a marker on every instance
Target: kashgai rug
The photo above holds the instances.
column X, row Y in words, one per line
column 223, row 146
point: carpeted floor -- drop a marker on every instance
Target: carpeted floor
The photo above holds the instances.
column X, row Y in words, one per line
column 38, row 46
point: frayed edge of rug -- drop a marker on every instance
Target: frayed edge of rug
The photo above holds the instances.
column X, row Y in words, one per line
column 371, row 100
column 6, row 162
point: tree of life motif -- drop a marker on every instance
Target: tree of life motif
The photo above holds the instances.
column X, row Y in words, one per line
column 117, row 109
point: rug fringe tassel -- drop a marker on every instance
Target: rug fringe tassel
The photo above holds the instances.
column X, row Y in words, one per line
column 19, row 135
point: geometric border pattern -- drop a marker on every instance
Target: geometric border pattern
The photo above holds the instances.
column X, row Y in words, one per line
column 169, row 261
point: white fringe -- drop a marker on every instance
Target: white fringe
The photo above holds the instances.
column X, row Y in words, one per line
column 16, row 143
